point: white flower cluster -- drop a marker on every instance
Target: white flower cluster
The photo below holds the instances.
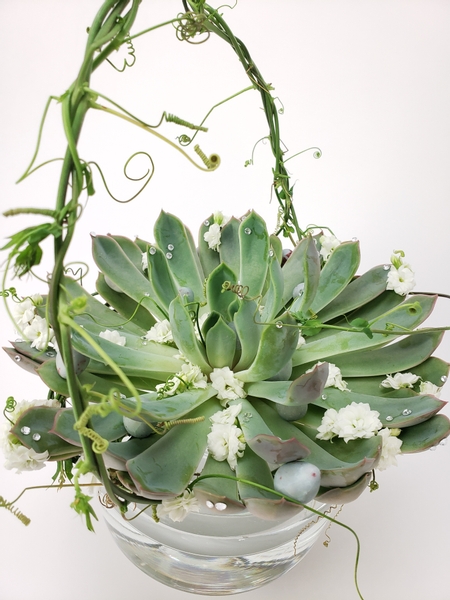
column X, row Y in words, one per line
column 33, row 327
column 328, row 243
column 407, row 380
column 212, row 236
column 178, row 508
column 400, row 277
column 227, row 385
column 334, row 377
column 225, row 440
column 358, row 421
column 351, row 422
column 161, row 333
column 113, row 336
column 17, row 456
column 190, row 377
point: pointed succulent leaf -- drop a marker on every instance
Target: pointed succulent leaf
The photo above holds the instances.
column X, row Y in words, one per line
column 39, row 420
column 402, row 412
column 209, row 258
column 408, row 315
column 311, row 275
column 124, row 305
column 359, row 292
column 174, row 238
column 271, row 303
column 165, row 469
column 161, row 277
column 219, row 298
column 218, row 489
column 344, row 495
column 156, row 409
column 425, row 435
column 276, row 451
column 115, row 264
column 336, row 274
column 276, row 347
column 254, row 252
column 184, row 335
column 124, row 451
column 25, row 362
column 294, row 271
column 220, row 345
column 249, row 332
column 110, row 427
column 401, row 356
column 304, row 389
column 229, row 247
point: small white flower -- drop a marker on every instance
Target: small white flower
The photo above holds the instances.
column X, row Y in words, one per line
column 192, row 376
column 25, row 311
column 160, row 332
column 178, row 508
column 328, row 244
column 400, row 280
column 226, row 416
column 334, row 377
column 389, row 450
column 351, row 422
column 25, row 459
column 400, row 380
column 212, row 236
column 426, row 387
column 227, row 385
column 226, row 442
column 144, row 261
column 39, row 333
column 220, row 218
column 113, row 336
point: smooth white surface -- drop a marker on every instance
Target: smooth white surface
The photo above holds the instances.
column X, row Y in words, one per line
column 366, row 81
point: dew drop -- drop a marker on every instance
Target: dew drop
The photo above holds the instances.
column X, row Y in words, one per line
column 433, row 448
column 278, row 324
column 220, row 506
column 389, row 418
column 444, row 378
column 147, row 294
column 209, row 504
column 443, row 442
column 298, row 290
column 247, row 231
column 120, row 327
column 168, row 255
column 354, row 239
column 386, row 267
column 17, row 358
column 93, row 234
column 324, row 396
column 122, row 396
column 18, row 340
column 50, row 354
column 170, row 246
column 36, row 437
column 144, row 343
column 406, row 412
column 271, row 252
column 25, row 430
column 152, row 250
column 206, row 223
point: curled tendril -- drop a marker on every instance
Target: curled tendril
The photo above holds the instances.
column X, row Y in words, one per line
column 316, row 154
column 190, row 26
column 16, row 512
column 9, row 408
column 131, row 53
column 211, row 162
column 281, row 109
column 174, row 119
column 78, row 273
column 10, row 292
column 148, row 175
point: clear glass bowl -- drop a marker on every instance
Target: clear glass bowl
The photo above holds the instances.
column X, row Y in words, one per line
column 215, row 554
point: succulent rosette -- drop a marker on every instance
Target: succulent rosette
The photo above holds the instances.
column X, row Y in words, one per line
column 230, row 357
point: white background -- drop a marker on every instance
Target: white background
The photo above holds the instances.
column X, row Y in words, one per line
column 366, row 81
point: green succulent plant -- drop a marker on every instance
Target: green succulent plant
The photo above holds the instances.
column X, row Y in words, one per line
column 242, row 306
